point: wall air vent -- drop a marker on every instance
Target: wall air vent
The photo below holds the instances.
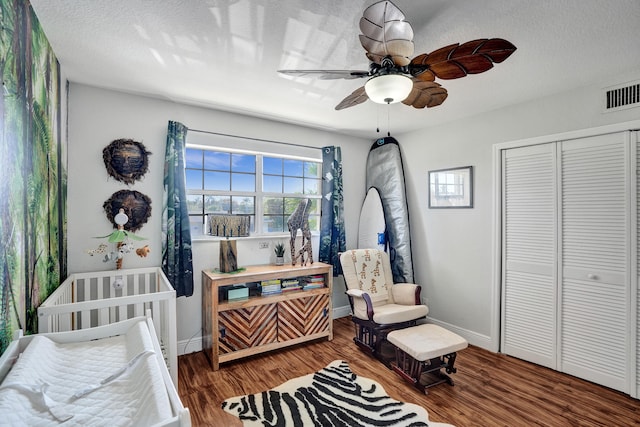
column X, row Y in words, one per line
column 619, row 97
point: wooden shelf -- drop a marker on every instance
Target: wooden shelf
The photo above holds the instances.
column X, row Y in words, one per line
column 244, row 327
column 257, row 273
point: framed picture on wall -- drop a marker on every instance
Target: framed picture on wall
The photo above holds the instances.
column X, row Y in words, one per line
column 451, row 188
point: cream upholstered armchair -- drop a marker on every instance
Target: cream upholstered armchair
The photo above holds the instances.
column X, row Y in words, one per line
column 379, row 306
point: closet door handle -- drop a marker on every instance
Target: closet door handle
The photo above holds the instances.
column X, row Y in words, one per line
column 592, row 276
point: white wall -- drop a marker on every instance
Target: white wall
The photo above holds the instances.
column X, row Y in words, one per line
column 98, row 116
column 452, row 248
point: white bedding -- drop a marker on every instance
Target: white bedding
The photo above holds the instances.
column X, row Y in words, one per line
column 116, row 382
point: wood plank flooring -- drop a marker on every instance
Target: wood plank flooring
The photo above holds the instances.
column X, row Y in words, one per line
column 490, row 389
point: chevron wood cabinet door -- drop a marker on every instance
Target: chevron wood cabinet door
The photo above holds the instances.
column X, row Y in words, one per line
column 242, row 328
column 247, row 327
column 303, row 316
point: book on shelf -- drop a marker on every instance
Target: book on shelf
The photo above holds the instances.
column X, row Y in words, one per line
column 278, row 286
column 290, row 282
column 313, row 281
column 270, row 287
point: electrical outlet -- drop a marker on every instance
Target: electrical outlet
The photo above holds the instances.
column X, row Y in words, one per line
column 425, row 301
column 263, row 245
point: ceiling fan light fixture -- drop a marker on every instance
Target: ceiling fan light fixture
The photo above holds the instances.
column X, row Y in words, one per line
column 388, row 88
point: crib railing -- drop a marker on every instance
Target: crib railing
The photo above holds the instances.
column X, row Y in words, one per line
column 86, row 300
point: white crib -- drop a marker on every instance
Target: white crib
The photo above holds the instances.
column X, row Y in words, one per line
column 86, row 300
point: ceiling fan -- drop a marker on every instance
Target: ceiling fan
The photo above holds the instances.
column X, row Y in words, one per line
column 393, row 77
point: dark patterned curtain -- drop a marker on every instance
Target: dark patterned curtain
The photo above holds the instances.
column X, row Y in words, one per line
column 332, row 240
column 176, row 236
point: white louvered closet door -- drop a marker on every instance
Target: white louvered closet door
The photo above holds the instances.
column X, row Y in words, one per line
column 595, row 240
column 529, row 268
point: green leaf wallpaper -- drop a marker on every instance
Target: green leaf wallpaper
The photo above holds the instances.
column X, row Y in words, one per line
column 33, row 163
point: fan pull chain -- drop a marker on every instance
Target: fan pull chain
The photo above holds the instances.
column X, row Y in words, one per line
column 378, row 120
column 388, row 125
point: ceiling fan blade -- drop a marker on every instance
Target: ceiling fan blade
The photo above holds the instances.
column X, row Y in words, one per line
column 327, row 74
column 425, row 94
column 356, row 97
column 399, row 50
column 386, row 33
column 456, row 60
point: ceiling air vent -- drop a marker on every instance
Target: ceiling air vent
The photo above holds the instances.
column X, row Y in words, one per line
column 626, row 95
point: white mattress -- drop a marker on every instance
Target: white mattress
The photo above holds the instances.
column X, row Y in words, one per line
column 136, row 396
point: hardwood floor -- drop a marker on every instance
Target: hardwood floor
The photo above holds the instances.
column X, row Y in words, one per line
column 490, row 389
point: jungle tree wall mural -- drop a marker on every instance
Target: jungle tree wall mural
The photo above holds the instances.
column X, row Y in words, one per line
column 33, row 165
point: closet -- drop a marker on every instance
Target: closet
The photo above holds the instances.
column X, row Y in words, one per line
column 570, row 257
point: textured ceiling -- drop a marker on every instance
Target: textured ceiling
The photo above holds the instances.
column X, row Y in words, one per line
column 224, row 54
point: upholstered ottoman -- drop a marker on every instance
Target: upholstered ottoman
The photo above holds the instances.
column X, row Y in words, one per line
column 422, row 352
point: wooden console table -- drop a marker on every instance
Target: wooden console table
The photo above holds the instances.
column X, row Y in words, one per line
column 241, row 328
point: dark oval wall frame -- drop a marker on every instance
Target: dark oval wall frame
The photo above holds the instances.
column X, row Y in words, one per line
column 126, row 160
column 136, row 205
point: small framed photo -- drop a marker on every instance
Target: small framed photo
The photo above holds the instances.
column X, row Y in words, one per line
column 224, row 225
column 451, row 188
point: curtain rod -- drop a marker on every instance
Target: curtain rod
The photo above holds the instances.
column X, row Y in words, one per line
column 254, row 139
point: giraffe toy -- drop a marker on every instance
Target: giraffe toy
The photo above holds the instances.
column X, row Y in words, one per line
column 299, row 219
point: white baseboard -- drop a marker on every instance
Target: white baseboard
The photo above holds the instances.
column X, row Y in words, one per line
column 343, row 311
column 473, row 338
column 189, row 346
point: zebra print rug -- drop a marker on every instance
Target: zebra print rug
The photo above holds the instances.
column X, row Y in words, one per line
column 333, row 396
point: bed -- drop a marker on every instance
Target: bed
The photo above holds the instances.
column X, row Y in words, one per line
column 112, row 375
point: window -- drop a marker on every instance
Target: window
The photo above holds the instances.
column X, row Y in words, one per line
column 266, row 187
